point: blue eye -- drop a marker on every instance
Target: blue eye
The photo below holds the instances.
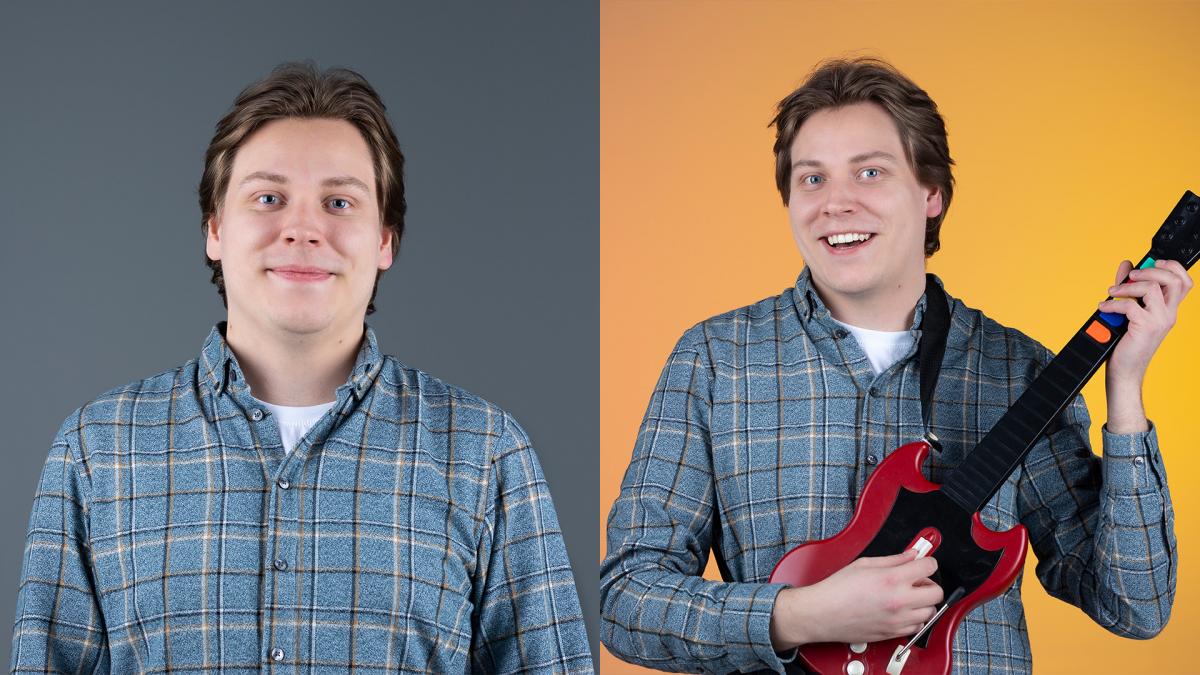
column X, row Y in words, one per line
column 340, row 204
column 268, row 200
column 811, row 179
column 874, row 173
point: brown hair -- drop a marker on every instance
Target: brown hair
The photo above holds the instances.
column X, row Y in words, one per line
column 299, row 90
column 842, row 82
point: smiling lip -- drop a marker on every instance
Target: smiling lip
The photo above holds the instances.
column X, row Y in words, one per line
column 833, row 250
column 298, row 273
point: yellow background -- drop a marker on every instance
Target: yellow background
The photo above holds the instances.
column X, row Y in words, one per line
column 1075, row 128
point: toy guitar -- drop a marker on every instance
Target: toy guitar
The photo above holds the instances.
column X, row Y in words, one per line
column 899, row 509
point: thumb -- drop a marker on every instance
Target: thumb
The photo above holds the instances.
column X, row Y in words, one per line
column 1123, row 270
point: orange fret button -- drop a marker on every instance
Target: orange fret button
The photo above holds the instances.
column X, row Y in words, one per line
column 1099, row 332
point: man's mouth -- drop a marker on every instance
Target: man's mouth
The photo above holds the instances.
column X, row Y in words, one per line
column 299, row 273
column 846, row 241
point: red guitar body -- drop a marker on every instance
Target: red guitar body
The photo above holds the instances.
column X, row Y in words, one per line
column 898, row 506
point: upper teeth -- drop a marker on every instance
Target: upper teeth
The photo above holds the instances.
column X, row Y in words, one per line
column 847, row 238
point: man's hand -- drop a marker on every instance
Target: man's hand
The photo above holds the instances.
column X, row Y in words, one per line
column 1160, row 288
column 870, row 599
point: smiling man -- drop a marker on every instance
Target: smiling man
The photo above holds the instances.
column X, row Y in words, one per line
column 293, row 498
column 767, row 421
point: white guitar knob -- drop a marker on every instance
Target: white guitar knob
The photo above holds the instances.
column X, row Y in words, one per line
column 855, row 668
column 858, row 647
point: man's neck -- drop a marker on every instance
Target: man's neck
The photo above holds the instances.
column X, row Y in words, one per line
column 294, row 370
column 887, row 309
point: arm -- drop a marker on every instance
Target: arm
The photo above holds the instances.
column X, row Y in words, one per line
column 59, row 626
column 656, row 609
column 1103, row 531
column 529, row 617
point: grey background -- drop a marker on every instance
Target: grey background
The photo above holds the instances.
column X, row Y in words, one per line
column 105, row 113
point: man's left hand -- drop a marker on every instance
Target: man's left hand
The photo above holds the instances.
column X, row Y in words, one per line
column 1160, row 288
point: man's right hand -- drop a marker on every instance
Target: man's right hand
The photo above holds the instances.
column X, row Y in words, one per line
column 869, row 600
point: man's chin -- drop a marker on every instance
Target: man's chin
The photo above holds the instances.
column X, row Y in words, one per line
column 844, row 281
column 301, row 321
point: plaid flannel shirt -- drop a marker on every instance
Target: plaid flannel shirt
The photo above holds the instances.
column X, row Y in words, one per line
column 772, row 415
column 410, row 530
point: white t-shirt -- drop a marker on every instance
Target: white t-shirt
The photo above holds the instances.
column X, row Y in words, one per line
column 295, row 421
column 883, row 347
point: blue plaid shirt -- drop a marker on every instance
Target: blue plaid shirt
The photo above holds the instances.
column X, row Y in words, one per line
column 410, row 530
column 772, row 415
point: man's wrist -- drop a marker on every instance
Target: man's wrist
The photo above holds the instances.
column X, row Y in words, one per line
column 1126, row 415
column 789, row 627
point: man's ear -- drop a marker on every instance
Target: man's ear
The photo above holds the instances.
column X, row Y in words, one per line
column 933, row 203
column 385, row 247
column 212, row 239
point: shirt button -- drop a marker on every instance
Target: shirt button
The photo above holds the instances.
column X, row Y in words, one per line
column 280, row 564
column 1138, row 460
column 256, row 414
column 277, row 654
column 840, row 334
column 873, row 391
column 871, row 459
column 283, row 484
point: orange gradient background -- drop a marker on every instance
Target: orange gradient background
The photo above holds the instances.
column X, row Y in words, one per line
column 1074, row 128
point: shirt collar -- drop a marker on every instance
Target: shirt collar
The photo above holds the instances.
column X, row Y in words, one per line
column 220, row 367
column 811, row 308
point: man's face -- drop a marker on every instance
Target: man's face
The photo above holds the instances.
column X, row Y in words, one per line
column 850, row 177
column 299, row 234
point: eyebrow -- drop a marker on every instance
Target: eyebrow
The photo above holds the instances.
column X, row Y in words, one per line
column 336, row 181
column 874, row 154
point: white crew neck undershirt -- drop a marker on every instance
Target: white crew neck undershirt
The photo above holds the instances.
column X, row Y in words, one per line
column 295, row 421
column 883, row 347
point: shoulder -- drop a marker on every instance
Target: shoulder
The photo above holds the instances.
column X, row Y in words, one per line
column 450, row 417
column 990, row 347
column 746, row 325
column 146, row 404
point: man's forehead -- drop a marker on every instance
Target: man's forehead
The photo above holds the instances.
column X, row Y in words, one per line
column 302, row 151
column 848, row 134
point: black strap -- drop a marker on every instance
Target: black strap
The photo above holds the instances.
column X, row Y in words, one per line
column 935, row 326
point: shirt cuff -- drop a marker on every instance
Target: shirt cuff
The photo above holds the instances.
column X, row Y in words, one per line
column 1132, row 463
column 746, row 621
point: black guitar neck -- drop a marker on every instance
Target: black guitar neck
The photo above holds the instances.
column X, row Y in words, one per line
column 986, row 468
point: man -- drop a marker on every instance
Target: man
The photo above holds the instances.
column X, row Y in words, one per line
column 293, row 498
column 767, row 420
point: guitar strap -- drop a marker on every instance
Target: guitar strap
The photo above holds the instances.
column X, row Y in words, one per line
column 935, row 326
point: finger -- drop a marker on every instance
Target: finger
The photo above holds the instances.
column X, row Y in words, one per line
column 929, row 596
column 887, row 560
column 1150, row 293
column 1179, row 270
column 1174, row 279
column 919, row 569
column 1127, row 306
column 1171, row 282
column 1134, row 289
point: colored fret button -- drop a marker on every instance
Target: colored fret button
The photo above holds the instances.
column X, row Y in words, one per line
column 1112, row 319
column 1149, row 263
column 1099, row 332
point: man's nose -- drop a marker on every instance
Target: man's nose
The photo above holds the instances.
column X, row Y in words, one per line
column 840, row 198
column 302, row 224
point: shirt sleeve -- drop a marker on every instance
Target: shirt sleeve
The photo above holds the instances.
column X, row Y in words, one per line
column 656, row 608
column 59, row 626
column 1103, row 530
column 529, row 617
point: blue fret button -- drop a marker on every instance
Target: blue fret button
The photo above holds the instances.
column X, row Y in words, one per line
column 1112, row 319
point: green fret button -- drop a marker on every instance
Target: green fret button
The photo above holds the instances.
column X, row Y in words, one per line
column 1149, row 263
